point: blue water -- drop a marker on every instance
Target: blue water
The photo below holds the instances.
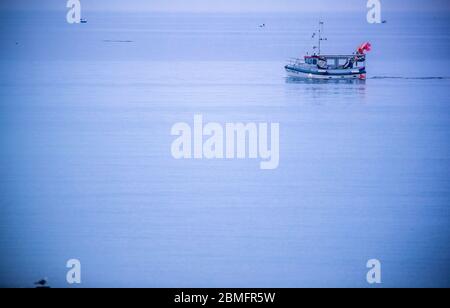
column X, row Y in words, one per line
column 86, row 170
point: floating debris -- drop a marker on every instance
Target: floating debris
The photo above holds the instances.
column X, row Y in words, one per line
column 117, row 41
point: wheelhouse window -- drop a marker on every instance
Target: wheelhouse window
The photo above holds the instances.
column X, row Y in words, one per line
column 331, row 62
column 342, row 61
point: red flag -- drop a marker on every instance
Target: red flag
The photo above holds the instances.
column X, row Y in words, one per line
column 366, row 47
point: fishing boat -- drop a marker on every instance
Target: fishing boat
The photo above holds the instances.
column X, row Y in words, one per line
column 319, row 66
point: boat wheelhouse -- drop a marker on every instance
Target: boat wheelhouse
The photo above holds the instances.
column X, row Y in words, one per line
column 320, row 66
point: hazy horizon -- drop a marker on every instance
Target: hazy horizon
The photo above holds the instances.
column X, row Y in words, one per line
column 273, row 6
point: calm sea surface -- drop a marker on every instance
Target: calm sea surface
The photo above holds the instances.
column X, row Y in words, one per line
column 87, row 172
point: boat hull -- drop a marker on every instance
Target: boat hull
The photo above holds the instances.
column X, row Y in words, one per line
column 295, row 72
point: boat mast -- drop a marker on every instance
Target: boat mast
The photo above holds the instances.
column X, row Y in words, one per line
column 321, row 23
